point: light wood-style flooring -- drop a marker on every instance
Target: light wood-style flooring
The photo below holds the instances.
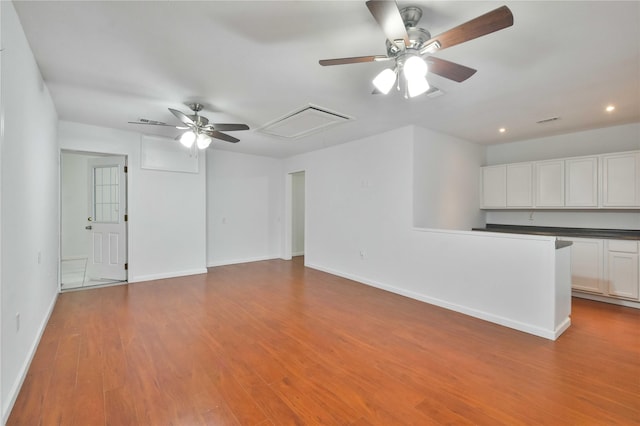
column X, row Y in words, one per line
column 274, row 343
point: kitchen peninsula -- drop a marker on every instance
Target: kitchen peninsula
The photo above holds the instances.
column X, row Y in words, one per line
column 604, row 262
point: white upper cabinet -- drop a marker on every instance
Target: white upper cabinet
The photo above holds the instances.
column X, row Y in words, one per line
column 494, row 187
column 519, row 185
column 550, row 183
column 581, row 182
column 608, row 181
column 621, row 179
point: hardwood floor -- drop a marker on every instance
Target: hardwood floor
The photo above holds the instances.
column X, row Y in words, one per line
column 274, row 343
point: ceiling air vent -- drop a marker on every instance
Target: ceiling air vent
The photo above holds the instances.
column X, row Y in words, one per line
column 303, row 122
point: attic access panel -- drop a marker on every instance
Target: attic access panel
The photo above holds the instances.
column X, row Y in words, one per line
column 303, row 122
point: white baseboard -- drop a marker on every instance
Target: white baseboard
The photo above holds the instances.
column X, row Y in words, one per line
column 613, row 301
column 496, row 319
column 214, row 263
column 167, row 275
column 17, row 385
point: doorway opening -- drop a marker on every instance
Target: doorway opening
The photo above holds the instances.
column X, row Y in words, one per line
column 93, row 220
column 297, row 213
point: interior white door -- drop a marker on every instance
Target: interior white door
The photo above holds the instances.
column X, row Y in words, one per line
column 106, row 221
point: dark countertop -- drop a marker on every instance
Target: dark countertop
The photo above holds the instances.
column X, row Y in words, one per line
column 615, row 234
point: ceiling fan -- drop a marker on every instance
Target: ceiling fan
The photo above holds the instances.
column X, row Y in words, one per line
column 410, row 47
column 197, row 128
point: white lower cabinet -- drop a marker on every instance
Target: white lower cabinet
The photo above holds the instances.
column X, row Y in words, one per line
column 587, row 264
column 621, row 271
column 606, row 267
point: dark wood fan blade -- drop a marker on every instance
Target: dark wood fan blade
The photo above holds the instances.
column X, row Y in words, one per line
column 450, row 70
column 229, row 127
column 221, row 136
column 352, row 60
column 388, row 16
column 182, row 117
column 495, row 20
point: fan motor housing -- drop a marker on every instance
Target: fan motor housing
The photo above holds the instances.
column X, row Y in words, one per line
column 199, row 120
column 417, row 37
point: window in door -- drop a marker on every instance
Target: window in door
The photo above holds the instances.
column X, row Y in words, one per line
column 106, row 203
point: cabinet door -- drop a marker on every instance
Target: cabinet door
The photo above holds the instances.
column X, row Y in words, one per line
column 586, row 264
column 581, row 182
column 519, row 185
column 622, row 274
column 621, row 180
column 550, row 183
column 494, row 186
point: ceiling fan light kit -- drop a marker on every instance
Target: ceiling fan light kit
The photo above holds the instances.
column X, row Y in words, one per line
column 410, row 47
column 385, row 80
column 187, row 139
column 203, row 141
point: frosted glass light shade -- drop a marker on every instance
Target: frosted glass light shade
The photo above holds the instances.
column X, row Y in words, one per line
column 384, row 81
column 417, row 86
column 187, row 139
column 414, row 68
column 203, row 141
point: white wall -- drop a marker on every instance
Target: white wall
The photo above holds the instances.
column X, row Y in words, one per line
column 244, row 207
column 360, row 196
column 360, row 226
column 358, row 199
column 167, row 222
column 30, row 218
column 446, row 181
column 592, row 142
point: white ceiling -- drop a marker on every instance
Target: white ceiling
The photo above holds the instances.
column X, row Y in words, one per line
column 107, row 63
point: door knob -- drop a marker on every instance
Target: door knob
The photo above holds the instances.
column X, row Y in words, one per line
column 88, row 227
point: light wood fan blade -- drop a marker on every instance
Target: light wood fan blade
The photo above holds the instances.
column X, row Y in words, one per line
column 182, row 117
column 229, row 127
column 353, row 60
column 221, row 136
column 388, row 16
column 450, row 70
column 495, row 20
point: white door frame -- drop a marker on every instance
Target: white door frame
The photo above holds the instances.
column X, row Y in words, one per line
column 126, row 183
column 298, row 196
column 288, row 215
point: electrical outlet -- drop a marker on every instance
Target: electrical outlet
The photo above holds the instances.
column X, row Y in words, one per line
column 17, row 321
column 362, row 254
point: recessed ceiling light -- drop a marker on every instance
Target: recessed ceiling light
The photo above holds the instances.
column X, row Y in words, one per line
column 502, row 130
column 610, row 108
